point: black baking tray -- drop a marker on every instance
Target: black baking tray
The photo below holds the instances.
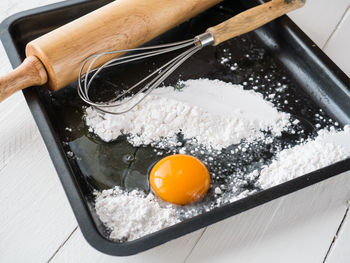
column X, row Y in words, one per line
column 279, row 48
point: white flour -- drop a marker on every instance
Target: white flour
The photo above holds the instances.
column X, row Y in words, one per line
column 329, row 147
column 130, row 215
column 216, row 114
column 199, row 110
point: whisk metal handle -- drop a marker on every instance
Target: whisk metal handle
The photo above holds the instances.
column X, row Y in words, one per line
column 252, row 19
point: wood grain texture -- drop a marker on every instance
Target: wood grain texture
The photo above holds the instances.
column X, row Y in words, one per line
column 326, row 13
column 337, row 47
column 174, row 251
column 30, row 73
column 35, row 217
column 9, row 7
column 296, row 228
column 340, row 251
column 34, row 213
column 119, row 25
column 252, row 19
column 21, row 131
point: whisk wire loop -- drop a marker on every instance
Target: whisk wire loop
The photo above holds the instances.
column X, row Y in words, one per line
column 159, row 75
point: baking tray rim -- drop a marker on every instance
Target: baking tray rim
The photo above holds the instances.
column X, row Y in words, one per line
column 71, row 186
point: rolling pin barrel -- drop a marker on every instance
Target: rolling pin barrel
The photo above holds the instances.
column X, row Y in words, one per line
column 122, row 24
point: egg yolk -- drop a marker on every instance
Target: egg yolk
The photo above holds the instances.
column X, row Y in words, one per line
column 180, row 179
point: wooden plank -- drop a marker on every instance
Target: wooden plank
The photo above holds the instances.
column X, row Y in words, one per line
column 326, row 13
column 77, row 250
column 338, row 45
column 9, row 7
column 34, row 213
column 296, row 228
column 18, row 131
column 340, row 250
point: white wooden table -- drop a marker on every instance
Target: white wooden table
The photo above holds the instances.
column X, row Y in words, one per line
column 37, row 224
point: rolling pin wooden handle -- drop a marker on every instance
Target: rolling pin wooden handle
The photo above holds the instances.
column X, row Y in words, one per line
column 252, row 19
column 30, row 73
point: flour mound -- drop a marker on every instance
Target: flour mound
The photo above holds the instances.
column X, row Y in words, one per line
column 215, row 113
column 131, row 215
column 329, row 147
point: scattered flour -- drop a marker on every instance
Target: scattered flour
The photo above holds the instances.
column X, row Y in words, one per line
column 328, row 147
column 199, row 110
column 130, row 215
column 217, row 114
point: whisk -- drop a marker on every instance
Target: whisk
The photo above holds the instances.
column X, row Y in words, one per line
column 237, row 25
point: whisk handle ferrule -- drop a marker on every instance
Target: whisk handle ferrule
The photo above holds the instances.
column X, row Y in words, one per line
column 205, row 39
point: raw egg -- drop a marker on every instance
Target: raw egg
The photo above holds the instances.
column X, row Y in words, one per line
column 180, row 179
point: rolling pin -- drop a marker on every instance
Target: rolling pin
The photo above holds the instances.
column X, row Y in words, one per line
column 54, row 59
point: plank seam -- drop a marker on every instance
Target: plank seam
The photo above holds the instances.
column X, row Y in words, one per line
column 62, row 245
column 195, row 244
column 271, row 219
column 336, row 27
column 337, row 233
